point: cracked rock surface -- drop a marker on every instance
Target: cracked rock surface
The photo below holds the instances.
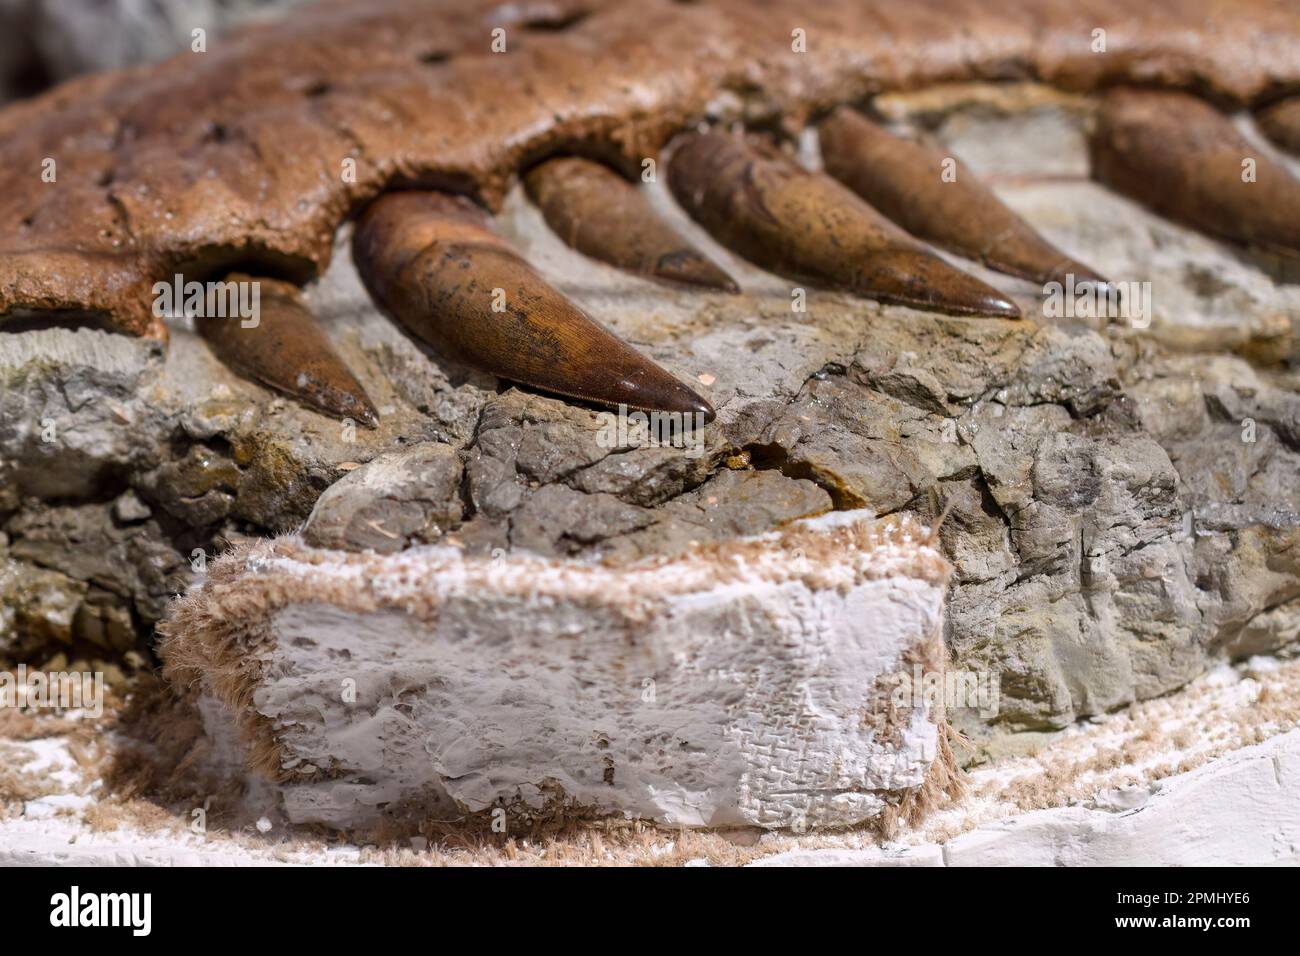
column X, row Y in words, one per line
column 1121, row 504
column 394, row 500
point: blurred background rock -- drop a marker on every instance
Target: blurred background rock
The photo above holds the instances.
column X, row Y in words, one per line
column 43, row 42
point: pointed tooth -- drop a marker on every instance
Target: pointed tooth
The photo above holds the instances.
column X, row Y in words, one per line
column 1183, row 158
column 431, row 262
column 805, row 225
column 600, row 214
column 902, row 179
column 288, row 351
column 1281, row 123
column 688, row 267
column 925, row 281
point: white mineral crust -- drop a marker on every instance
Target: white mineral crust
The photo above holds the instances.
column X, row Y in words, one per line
column 738, row 685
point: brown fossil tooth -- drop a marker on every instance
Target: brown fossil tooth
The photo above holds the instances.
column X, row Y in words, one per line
column 807, row 226
column 901, row 178
column 430, row 260
column 1186, row 160
column 600, row 214
column 287, row 351
column 1281, row 123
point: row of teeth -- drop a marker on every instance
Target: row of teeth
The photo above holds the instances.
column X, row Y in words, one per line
column 431, row 261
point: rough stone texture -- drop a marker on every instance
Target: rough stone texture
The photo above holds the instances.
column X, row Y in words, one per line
column 131, row 561
column 730, row 686
column 1182, row 779
column 126, row 468
column 37, row 608
column 1240, row 810
column 1135, row 544
column 398, row 499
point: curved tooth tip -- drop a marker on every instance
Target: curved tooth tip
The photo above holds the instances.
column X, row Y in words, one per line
column 428, row 266
column 599, row 213
column 1182, row 157
column 999, row 305
column 337, row 393
column 963, row 293
column 1077, row 276
column 922, row 280
column 287, row 351
column 690, row 268
column 993, row 306
column 970, row 296
column 653, row 389
column 805, row 225
column 703, row 407
column 364, row 411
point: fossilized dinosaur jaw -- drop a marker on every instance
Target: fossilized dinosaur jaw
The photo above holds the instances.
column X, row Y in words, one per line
column 430, row 261
column 805, row 225
column 145, row 181
column 286, row 350
column 1281, row 123
column 1186, row 160
column 904, row 179
column 600, row 214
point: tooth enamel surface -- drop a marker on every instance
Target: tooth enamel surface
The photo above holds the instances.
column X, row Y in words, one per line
column 433, row 262
column 751, row 683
